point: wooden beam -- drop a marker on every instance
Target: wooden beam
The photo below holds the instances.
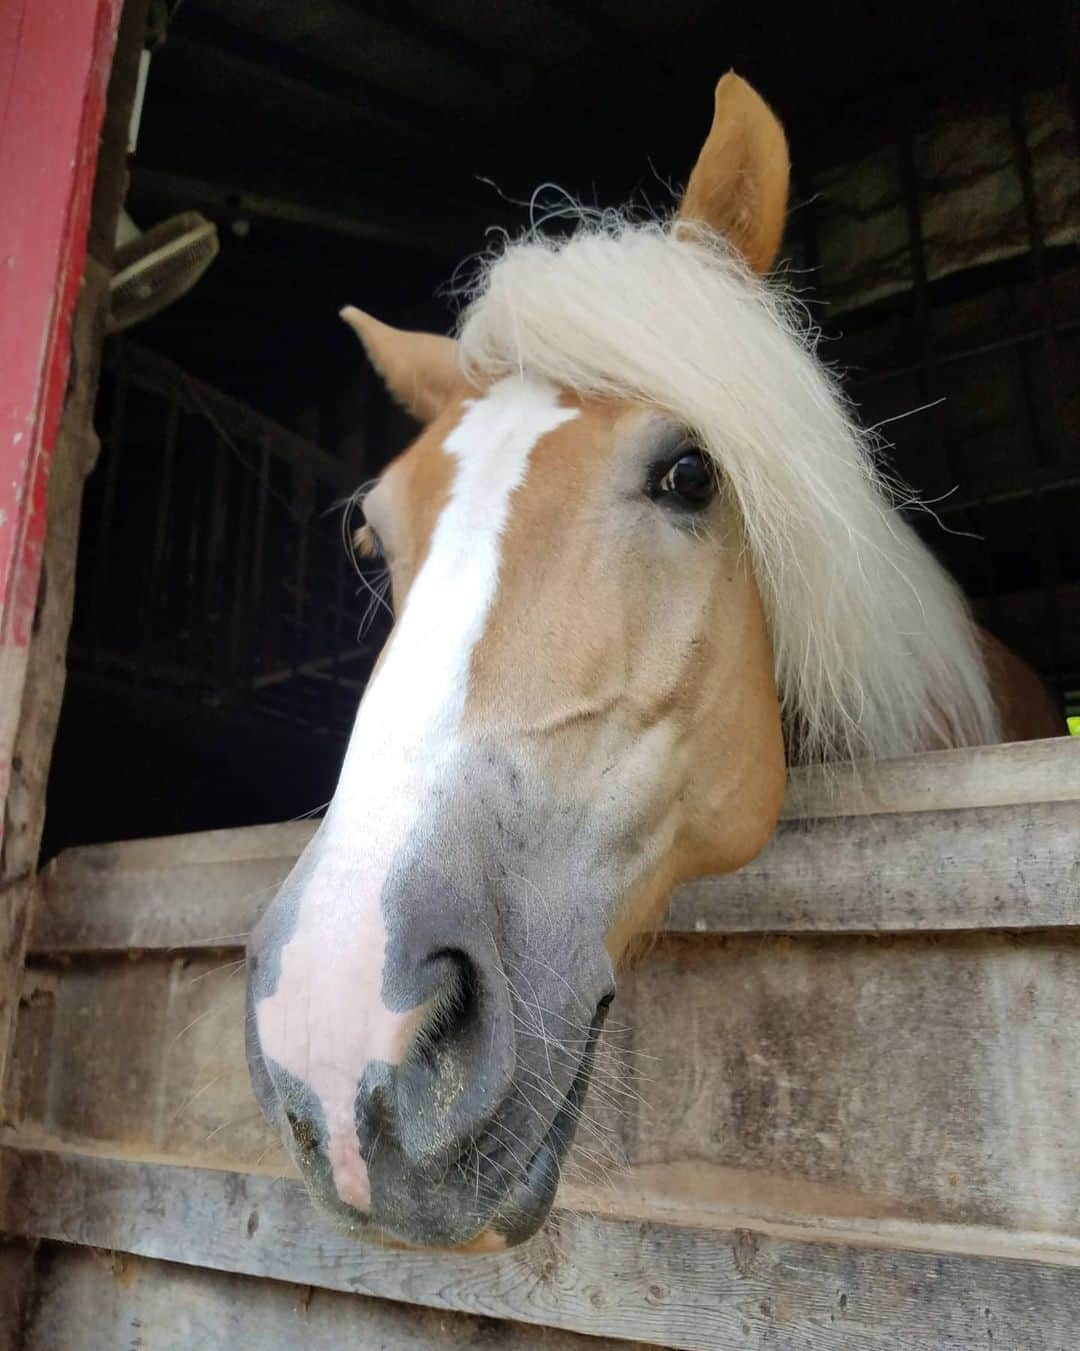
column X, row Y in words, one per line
column 76, row 453
column 132, row 1301
column 111, row 181
column 46, row 669
column 864, row 1090
column 370, row 223
column 338, row 176
column 905, row 845
column 979, row 776
column 427, row 30
column 703, row 1289
column 493, row 126
column 421, row 27
column 201, row 36
column 652, row 70
column 187, row 892
column 978, row 868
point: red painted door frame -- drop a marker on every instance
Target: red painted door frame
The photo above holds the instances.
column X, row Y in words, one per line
column 55, row 57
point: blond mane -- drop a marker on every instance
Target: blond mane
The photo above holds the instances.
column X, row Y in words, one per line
column 876, row 653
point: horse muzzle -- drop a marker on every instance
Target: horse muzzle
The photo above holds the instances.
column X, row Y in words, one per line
column 434, row 1104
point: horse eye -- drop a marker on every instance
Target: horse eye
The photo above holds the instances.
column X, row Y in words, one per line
column 368, row 544
column 689, row 481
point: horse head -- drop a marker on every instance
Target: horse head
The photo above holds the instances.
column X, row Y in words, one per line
column 637, row 535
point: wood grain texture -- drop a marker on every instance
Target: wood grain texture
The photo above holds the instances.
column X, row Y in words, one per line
column 1005, row 867
column 163, row 1306
column 700, row 1289
column 802, row 1119
column 185, row 891
column 1009, row 867
column 39, row 710
column 929, row 1079
column 17, row 901
column 848, row 1081
column 73, row 458
column 977, row 776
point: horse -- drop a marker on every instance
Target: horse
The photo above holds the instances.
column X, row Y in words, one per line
column 642, row 558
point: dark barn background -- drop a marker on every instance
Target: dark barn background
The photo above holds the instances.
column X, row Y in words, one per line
column 358, row 150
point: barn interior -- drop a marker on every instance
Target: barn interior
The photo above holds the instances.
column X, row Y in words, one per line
column 357, row 151
column 835, row 1104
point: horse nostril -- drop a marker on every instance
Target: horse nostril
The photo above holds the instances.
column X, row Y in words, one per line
column 601, row 1010
column 454, row 1006
column 428, row 1104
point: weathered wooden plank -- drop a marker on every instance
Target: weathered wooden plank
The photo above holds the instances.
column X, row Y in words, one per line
column 17, row 900
column 209, row 905
column 87, row 1299
column 184, row 891
column 26, row 1099
column 239, row 845
column 701, row 1289
column 977, row 776
column 74, row 456
column 24, row 809
column 923, row 1079
column 1010, row 867
column 1013, row 867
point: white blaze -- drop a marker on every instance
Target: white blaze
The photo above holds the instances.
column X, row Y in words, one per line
column 326, row 1019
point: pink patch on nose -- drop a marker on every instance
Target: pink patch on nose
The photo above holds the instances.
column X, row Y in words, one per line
column 349, row 1170
column 326, row 1020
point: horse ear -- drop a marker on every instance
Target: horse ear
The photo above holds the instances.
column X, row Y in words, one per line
column 419, row 369
column 739, row 185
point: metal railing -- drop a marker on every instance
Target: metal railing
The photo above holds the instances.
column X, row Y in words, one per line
column 211, row 562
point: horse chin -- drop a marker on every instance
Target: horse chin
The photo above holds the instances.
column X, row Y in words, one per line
column 515, row 1217
column 532, row 1197
column 514, row 1220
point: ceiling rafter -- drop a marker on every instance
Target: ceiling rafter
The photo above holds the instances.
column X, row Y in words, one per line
column 421, row 28
column 644, row 67
column 472, row 137
column 402, row 118
column 424, row 28
column 372, row 222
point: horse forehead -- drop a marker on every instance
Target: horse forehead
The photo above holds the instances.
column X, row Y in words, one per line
column 580, row 450
column 422, row 478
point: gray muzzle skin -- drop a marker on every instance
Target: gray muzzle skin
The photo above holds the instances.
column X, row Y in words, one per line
column 509, row 991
